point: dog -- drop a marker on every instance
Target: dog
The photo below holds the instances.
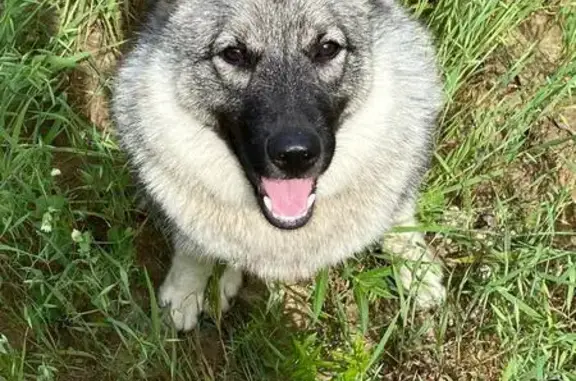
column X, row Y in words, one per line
column 281, row 137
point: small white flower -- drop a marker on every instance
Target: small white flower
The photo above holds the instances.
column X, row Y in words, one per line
column 46, row 225
column 55, row 172
column 485, row 272
column 76, row 235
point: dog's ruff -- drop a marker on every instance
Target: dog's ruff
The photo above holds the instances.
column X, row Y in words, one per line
column 164, row 101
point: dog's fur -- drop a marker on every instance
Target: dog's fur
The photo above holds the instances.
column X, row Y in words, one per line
column 169, row 100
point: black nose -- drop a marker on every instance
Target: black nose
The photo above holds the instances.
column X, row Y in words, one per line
column 294, row 152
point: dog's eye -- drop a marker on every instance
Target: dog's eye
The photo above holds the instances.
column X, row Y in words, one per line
column 236, row 56
column 326, row 51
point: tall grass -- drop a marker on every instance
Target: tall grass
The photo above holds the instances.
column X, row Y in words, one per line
column 78, row 261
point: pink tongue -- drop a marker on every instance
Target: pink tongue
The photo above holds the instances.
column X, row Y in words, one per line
column 289, row 197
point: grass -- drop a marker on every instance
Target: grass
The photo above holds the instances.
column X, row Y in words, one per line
column 79, row 262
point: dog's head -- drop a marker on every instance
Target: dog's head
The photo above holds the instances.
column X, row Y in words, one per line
column 275, row 80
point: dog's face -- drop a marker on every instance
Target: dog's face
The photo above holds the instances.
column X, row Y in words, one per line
column 274, row 79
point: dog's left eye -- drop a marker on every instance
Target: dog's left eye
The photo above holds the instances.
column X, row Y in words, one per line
column 236, row 56
column 326, row 52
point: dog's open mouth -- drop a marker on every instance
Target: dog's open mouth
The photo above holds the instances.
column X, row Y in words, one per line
column 288, row 203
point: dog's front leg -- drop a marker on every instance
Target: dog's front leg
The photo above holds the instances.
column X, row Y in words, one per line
column 420, row 271
column 183, row 289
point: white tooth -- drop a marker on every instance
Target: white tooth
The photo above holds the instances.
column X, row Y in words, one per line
column 286, row 218
column 268, row 203
column 311, row 199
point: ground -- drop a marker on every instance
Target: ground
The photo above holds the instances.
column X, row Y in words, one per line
column 80, row 262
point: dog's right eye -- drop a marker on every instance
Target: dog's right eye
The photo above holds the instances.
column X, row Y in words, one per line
column 326, row 52
column 236, row 56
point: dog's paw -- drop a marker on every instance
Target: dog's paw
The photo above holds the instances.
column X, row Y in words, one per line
column 431, row 293
column 230, row 284
column 185, row 300
column 184, row 295
column 426, row 282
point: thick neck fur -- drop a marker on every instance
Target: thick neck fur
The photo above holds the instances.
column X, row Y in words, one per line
column 381, row 150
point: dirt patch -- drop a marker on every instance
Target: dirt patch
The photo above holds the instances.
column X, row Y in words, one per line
column 297, row 304
column 88, row 91
column 548, row 164
column 89, row 85
column 153, row 251
column 453, row 348
column 465, row 360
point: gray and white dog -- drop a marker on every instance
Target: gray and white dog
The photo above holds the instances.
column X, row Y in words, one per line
column 280, row 136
